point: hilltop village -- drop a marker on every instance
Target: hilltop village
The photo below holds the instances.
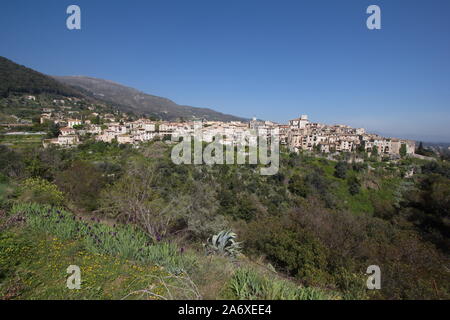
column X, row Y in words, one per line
column 299, row 134
column 78, row 120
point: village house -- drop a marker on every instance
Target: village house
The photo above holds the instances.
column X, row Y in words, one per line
column 145, row 135
column 73, row 122
column 94, row 129
column 69, row 140
column 396, row 144
column 45, row 117
column 64, row 141
column 299, row 123
column 124, row 139
column 67, row 131
column 109, row 117
column 107, row 136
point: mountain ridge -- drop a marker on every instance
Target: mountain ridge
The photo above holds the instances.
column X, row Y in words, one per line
column 17, row 79
column 130, row 99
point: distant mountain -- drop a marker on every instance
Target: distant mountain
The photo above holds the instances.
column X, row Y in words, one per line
column 129, row 99
column 17, row 79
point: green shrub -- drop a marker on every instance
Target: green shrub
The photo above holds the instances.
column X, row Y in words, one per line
column 290, row 248
column 354, row 186
column 37, row 190
column 298, row 187
column 3, row 178
column 82, row 182
column 341, row 170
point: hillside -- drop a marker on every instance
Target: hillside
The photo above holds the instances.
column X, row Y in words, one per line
column 112, row 209
column 129, row 99
column 41, row 249
column 17, row 79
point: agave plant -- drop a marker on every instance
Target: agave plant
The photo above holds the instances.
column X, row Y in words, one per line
column 224, row 243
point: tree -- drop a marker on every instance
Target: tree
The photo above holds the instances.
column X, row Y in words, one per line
column 202, row 217
column 11, row 162
column 298, row 186
column 421, row 149
column 78, row 126
column 375, row 151
column 403, row 150
column 53, row 130
column 96, row 120
column 354, row 185
column 137, row 197
column 424, row 151
column 361, row 148
column 340, row 170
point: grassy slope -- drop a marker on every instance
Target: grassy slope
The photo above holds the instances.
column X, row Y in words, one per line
column 33, row 264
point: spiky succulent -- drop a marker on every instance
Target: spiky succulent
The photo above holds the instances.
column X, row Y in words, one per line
column 224, row 243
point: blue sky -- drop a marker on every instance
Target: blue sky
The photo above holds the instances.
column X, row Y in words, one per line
column 272, row 59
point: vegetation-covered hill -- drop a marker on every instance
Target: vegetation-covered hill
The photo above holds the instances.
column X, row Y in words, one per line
column 328, row 221
column 129, row 99
column 17, row 79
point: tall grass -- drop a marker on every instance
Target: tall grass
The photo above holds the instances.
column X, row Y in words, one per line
column 248, row 284
column 125, row 241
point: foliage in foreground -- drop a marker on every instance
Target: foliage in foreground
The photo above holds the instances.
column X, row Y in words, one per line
column 34, row 259
column 126, row 241
column 33, row 265
column 247, row 284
